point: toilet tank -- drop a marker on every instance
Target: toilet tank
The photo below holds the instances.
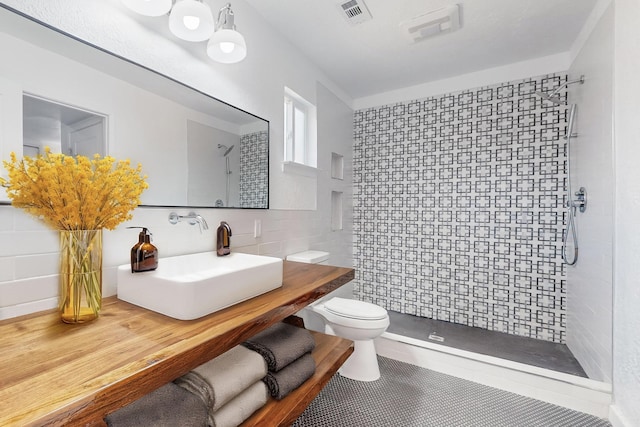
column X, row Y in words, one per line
column 310, row 257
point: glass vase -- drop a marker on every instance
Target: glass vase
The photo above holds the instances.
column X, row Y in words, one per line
column 80, row 275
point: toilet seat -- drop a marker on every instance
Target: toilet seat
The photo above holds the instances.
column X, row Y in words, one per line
column 354, row 309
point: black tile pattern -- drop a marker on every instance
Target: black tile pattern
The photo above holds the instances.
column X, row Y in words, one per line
column 254, row 172
column 458, row 208
column 410, row 396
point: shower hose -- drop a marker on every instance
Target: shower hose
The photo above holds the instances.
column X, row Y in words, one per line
column 571, row 228
column 571, row 207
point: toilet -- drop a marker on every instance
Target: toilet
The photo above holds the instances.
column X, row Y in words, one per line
column 355, row 320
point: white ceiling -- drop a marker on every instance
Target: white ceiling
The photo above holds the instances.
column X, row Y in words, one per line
column 375, row 56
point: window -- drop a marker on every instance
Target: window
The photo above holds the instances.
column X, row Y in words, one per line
column 299, row 130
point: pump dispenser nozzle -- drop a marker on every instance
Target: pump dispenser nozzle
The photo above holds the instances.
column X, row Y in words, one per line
column 144, row 255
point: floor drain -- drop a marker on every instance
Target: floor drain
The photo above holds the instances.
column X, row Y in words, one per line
column 435, row 337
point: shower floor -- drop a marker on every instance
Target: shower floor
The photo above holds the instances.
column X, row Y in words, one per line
column 543, row 354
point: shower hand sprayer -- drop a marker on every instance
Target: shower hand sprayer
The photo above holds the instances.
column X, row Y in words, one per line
column 580, row 202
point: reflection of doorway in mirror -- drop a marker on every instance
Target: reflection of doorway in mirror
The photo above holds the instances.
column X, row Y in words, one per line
column 30, row 150
column 86, row 138
column 63, row 128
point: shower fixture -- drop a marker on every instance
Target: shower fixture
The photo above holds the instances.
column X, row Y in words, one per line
column 227, row 150
column 580, row 202
column 552, row 96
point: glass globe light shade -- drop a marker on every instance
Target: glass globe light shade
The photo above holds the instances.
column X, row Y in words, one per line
column 191, row 20
column 227, row 46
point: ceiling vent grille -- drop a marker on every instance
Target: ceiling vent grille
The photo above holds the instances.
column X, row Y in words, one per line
column 354, row 11
column 441, row 21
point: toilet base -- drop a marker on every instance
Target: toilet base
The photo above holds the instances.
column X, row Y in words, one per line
column 362, row 365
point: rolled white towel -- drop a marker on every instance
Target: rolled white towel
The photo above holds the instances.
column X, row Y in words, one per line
column 221, row 379
column 238, row 409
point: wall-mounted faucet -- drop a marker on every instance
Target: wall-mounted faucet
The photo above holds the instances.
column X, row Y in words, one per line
column 193, row 219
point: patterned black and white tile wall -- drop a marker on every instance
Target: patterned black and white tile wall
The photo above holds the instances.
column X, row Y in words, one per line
column 458, row 208
column 254, row 170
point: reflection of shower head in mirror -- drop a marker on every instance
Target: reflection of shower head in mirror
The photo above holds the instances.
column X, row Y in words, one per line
column 227, row 150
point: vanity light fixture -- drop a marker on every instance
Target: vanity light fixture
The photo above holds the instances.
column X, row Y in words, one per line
column 226, row 45
column 192, row 20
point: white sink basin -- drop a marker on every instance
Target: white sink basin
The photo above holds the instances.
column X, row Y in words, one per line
column 190, row 286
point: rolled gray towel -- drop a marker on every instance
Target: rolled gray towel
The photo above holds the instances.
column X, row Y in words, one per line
column 221, row 379
column 289, row 378
column 168, row 406
column 281, row 344
column 238, row 409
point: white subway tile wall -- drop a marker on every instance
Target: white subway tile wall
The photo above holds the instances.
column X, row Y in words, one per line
column 29, row 257
column 590, row 281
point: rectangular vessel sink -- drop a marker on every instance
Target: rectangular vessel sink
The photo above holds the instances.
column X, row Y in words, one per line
column 187, row 287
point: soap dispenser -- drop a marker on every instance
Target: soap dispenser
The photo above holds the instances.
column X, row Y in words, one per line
column 144, row 256
column 223, row 241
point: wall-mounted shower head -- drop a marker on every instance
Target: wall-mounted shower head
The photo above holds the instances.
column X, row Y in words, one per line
column 552, row 96
column 549, row 98
column 227, row 150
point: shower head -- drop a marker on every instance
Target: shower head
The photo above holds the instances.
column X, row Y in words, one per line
column 552, row 96
column 227, row 150
column 549, row 98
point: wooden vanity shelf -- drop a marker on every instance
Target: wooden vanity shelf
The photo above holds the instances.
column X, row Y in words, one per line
column 57, row 374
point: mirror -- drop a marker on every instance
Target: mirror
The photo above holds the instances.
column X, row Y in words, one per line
column 58, row 91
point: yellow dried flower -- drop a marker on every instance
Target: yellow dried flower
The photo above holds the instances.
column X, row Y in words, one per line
column 75, row 193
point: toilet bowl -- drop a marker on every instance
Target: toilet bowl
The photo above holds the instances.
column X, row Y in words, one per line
column 354, row 320
column 360, row 322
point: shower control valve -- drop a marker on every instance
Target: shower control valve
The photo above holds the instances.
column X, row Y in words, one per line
column 580, row 201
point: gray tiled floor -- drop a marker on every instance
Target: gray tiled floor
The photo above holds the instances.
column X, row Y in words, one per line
column 543, row 354
column 410, row 396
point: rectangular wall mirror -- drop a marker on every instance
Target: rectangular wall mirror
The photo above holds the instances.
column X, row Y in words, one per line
column 61, row 92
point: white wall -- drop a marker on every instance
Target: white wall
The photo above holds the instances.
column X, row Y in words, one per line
column 29, row 251
column 590, row 281
column 516, row 71
column 626, row 335
column 335, row 125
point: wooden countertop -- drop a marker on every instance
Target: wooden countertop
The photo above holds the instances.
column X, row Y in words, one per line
column 52, row 373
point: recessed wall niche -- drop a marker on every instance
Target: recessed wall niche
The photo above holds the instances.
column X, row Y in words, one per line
column 337, row 166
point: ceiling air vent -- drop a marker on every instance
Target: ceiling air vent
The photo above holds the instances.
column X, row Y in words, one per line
column 354, row 11
column 433, row 23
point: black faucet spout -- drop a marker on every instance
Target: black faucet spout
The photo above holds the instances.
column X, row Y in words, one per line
column 223, row 241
